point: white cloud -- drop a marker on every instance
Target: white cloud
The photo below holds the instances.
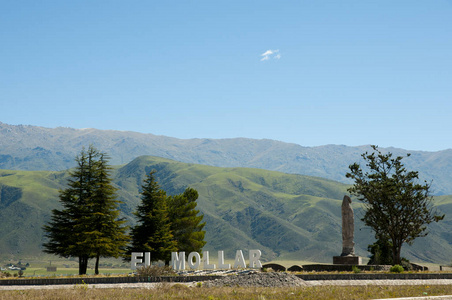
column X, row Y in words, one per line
column 270, row 54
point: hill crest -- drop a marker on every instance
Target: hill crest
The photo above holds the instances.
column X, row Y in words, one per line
column 26, row 147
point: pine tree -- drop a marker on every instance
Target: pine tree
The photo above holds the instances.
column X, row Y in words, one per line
column 87, row 226
column 185, row 223
column 64, row 229
column 106, row 237
column 152, row 232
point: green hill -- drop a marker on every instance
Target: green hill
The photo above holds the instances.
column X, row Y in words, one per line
column 30, row 148
column 284, row 215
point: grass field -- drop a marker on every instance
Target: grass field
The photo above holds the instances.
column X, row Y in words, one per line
column 37, row 266
column 71, row 271
column 178, row 291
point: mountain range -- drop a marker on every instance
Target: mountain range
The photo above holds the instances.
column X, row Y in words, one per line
column 25, row 147
column 284, row 213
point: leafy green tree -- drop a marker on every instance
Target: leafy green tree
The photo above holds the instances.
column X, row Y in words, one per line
column 186, row 224
column 397, row 207
column 87, row 226
column 152, row 232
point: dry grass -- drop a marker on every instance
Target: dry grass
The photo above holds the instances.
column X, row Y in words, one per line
column 179, row 291
column 156, row 271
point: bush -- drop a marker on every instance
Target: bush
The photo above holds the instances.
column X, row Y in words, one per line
column 355, row 269
column 154, row 271
column 406, row 264
column 396, row 269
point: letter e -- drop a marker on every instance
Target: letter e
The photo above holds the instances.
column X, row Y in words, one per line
column 135, row 261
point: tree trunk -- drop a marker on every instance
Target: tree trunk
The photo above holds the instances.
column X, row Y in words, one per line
column 396, row 254
column 399, row 250
column 96, row 270
column 82, row 265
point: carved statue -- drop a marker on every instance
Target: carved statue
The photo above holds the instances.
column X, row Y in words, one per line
column 348, row 228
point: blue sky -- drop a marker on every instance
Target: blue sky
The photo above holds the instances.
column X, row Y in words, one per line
column 336, row 72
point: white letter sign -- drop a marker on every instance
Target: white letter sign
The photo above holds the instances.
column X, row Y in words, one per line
column 197, row 258
column 254, row 259
column 221, row 264
column 178, row 263
column 205, row 260
column 239, row 260
column 135, row 261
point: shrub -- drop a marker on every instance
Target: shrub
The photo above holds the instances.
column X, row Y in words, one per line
column 406, row 264
column 396, row 269
column 355, row 269
column 154, row 271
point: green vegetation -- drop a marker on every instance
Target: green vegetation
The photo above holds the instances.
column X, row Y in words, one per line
column 397, row 207
column 153, row 233
column 355, row 269
column 396, row 269
column 380, row 253
column 329, row 161
column 87, row 226
column 185, row 221
column 289, row 217
column 166, row 223
column 42, row 272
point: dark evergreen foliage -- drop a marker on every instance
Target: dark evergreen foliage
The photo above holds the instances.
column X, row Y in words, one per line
column 381, row 252
column 185, row 222
column 397, row 207
column 153, row 232
column 88, row 225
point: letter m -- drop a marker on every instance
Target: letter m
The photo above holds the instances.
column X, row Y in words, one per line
column 178, row 262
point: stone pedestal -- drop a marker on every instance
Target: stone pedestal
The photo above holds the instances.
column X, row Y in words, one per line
column 347, row 260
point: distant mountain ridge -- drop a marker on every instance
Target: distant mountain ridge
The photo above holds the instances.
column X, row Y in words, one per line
column 25, row 147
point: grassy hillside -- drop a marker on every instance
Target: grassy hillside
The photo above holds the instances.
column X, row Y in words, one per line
column 287, row 216
column 26, row 199
column 38, row 148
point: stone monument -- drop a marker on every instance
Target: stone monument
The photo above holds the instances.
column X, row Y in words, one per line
column 348, row 256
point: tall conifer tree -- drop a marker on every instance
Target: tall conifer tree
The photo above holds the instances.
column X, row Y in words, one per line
column 152, row 232
column 106, row 236
column 87, row 226
column 185, row 222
